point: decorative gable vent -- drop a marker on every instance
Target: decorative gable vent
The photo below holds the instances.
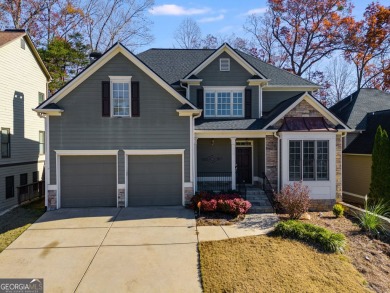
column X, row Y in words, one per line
column 22, row 44
column 224, row 64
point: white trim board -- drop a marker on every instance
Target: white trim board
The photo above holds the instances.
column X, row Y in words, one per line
column 113, row 51
column 226, row 48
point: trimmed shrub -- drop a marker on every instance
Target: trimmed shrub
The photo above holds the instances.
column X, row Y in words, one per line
column 338, row 210
column 225, row 203
column 294, row 199
column 322, row 238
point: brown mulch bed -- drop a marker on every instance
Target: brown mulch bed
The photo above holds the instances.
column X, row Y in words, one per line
column 370, row 256
column 218, row 219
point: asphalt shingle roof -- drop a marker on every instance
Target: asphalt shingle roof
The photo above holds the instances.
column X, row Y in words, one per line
column 353, row 109
column 8, row 36
column 364, row 143
column 174, row 64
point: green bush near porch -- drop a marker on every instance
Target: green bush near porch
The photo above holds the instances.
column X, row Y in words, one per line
column 319, row 237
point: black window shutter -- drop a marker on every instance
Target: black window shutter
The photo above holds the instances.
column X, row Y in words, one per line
column 248, row 103
column 200, row 99
column 105, row 98
column 135, row 108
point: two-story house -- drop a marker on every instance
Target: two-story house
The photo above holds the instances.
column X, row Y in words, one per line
column 154, row 128
column 23, row 86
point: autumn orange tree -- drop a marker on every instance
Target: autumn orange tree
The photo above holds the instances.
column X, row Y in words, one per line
column 308, row 30
column 368, row 47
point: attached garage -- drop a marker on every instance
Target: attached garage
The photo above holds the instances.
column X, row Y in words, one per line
column 154, row 180
column 88, row 181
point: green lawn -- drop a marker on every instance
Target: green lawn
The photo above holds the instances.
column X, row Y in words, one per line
column 15, row 222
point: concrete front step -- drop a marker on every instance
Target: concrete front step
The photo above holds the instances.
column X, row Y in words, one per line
column 256, row 197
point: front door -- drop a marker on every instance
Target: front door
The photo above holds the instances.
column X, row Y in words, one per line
column 244, row 165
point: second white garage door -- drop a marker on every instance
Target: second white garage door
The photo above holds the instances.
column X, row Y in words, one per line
column 154, row 180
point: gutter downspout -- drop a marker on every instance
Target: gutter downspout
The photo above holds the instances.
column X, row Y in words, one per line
column 279, row 163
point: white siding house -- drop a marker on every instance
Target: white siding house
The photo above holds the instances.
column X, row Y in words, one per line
column 23, row 84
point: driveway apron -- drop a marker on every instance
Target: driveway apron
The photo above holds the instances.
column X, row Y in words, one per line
column 146, row 249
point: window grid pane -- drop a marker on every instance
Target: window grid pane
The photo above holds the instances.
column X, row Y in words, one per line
column 308, row 160
column 322, row 160
column 237, row 104
column 295, row 160
column 5, row 143
column 120, row 99
column 223, row 106
column 210, row 104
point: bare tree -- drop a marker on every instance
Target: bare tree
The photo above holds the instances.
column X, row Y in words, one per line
column 268, row 48
column 341, row 79
column 108, row 22
column 188, row 34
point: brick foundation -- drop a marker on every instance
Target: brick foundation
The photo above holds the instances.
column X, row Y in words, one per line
column 321, row 205
column 51, row 200
column 121, row 198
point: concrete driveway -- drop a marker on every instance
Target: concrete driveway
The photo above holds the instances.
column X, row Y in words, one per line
column 108, row 250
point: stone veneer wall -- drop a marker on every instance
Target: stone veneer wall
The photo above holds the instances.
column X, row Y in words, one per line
column 121, row 198
column 271, row 169
column 303, row 109
column 188, row 193
column 51, row 200
column 321, row 205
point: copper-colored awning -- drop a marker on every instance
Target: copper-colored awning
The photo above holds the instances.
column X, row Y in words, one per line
column 305, row 124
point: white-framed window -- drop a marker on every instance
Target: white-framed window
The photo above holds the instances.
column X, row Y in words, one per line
column 120, row 94
column 308, row 160
column 224, row 64
column 224, row 102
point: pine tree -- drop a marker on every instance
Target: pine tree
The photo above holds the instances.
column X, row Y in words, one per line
column 380, row 169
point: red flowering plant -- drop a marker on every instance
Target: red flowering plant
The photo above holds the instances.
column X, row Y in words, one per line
column 230, row 203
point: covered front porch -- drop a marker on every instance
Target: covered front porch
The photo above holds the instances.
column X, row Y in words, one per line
column 226, row 163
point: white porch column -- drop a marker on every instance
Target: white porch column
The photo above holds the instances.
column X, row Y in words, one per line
column 233, row 143
column 195, row 164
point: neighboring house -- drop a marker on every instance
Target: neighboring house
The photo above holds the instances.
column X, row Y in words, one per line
column 353, row 109
column 357, row 157
column 23, row 85
column 154, row 128
column 356, row 111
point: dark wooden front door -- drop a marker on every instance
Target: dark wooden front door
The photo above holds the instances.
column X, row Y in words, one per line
column 244, row 165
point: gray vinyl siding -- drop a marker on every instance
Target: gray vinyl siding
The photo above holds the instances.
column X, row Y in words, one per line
column 214, row 157
column 155, row 180
column 88, row 181
column 16, row 171
column 217, row 157
column 237, row 76
column 273, row 98
column 82, row 127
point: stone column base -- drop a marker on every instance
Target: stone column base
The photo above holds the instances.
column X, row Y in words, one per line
column 121, row 198
column 51, row 200
column 188, row 193
column 321, row 205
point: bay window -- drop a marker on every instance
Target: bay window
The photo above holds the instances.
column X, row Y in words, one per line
column 308, row 160
column 224, row 102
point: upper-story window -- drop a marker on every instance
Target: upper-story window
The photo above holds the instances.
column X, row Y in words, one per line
column 224, row 64
column 5, row 143
column 224, row 102
column 120, row 96
column 41, row 97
